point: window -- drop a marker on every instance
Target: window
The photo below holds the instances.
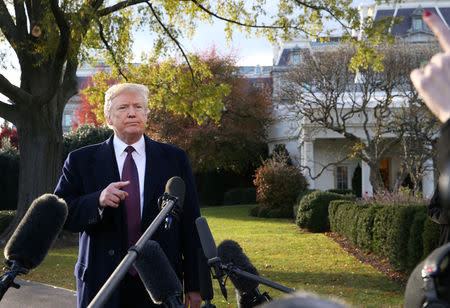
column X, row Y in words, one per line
column 417, row 24
column 67, row 120
column 341, row 177
column 296, row 58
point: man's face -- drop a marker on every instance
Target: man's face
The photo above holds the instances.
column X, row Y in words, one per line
column 128, row 116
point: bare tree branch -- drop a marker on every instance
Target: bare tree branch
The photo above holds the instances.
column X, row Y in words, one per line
column 173, row 39
column 16, row 94
column 63, row 44
column 118, row 6
column 108, row 47
column 8, row 112
column 240, row 23
column 21, row 21
column 7, row 26
column 323, row 8
column 324, row 167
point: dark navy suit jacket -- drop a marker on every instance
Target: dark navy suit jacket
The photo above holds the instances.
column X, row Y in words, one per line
column 86, row 172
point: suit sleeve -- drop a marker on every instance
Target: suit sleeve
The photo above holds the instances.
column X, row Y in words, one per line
column 83, row 206
column 190, row 239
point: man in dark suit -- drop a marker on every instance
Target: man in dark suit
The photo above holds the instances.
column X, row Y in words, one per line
column 112, row 189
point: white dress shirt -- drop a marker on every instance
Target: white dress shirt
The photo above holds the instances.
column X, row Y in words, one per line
column 139, row 159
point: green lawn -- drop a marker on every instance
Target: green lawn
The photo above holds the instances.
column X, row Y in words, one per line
column 280, row 252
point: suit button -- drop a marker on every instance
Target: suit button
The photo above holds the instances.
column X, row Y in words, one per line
column 111, row 252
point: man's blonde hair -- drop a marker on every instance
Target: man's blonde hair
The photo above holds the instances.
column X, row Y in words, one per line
column 117, row 89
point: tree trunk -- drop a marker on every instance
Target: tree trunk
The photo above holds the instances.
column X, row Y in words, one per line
column 40, row 146
column 375, row 178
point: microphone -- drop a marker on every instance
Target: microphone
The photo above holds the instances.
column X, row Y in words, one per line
column 37, row 231
column 210, row 251
column 33, row 238
column 429, row 283
column 158, row 276
column 175, row 190
column 204, row 275
column 174, row 193
column 247, row 292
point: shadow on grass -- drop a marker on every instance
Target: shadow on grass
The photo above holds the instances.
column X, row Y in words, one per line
column 235, row 212
column 368, row 283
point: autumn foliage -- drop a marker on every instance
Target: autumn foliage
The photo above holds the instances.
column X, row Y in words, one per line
column 233, row 141
column 11, row 133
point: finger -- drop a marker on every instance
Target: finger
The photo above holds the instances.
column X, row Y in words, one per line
column 120, row 194
column 439, row 29
column 120, row 184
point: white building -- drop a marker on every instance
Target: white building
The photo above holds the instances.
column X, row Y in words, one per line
column 315, row 148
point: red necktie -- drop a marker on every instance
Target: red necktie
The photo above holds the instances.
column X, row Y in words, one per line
column 132, row 202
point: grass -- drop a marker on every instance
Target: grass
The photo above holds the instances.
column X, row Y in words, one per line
column 280, row 251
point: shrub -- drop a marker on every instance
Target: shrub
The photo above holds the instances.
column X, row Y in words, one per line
column 278, row 184
column 240, row 196
column 313, row 210
column 9, row 182
column 402, row 233
column 342, row 191
column 5, row 219
column 357, row 181
column 430, row 236
column 265, row 212
column 415, row 242
column 85, row 134
column 299, row 199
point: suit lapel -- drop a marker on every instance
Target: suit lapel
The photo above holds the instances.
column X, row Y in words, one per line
column 107, row 172
column 105, row 164
column 152, row 183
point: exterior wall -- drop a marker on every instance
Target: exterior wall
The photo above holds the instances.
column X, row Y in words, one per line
column 327, row 151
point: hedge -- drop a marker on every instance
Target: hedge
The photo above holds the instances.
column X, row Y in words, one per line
column 313, row 210
column 9, row 182
column 5, row 219
column 403, row 234
column 240, row 196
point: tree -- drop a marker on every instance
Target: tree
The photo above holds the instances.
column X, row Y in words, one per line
column 50, row 38
column 327, row 93
column 234, row 142
column 84, row 112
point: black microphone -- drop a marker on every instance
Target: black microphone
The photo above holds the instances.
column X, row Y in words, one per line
column 158, row 276
column 37, row 231
column 174, row 192
column 204, row 275
column 210, row 251
column 247, row 292
column 429, row 283
column 33, row 238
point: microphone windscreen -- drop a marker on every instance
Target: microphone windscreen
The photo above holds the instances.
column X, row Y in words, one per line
column 414, row 292
column 157, row 274
column 175, row 187
column 204, row 277
column 37, row 231
column 206, row 238
column 230, row 252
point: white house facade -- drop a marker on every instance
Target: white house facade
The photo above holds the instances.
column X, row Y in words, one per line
column 322, row 152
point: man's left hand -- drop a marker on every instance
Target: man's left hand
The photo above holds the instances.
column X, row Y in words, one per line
column 193, row 300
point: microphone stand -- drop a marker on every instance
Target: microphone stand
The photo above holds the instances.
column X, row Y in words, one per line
column 230, row 268
column 133, row 253
column 7, row 279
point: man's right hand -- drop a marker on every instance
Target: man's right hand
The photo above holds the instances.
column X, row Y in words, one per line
column 112, row 194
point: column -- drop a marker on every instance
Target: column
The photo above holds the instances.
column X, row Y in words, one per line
column 367, row 190
column 308, row 161
column 428, row 179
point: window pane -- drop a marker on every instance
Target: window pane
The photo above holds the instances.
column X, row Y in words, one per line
column 341, row 177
